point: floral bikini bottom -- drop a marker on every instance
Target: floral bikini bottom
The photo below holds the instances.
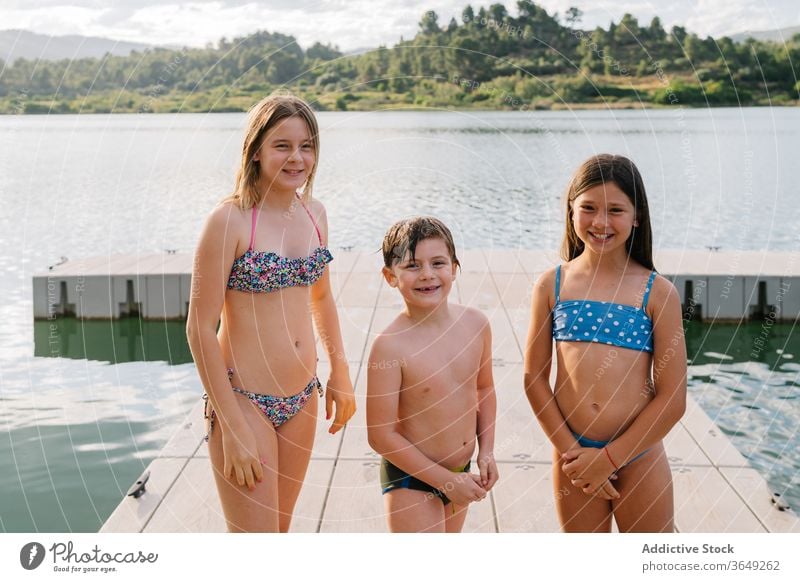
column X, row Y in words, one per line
column 278, row 409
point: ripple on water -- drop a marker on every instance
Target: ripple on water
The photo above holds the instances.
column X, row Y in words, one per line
column 754, row 404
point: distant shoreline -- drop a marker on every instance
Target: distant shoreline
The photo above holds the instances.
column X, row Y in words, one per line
column 419, row 108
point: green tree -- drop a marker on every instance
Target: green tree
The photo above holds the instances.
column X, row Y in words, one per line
column 429, row 23
column 573, row 16
column 656, row 31
column 323, row 52
column 467, row 15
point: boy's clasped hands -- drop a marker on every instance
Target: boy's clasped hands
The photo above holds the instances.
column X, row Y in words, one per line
column 465, row 488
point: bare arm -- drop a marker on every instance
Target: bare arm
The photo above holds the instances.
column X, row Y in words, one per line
column 213, row 258
column 384, row 384
column 538, row 359
column 487, row 412
column 326, row 319
column 590, row 467
column 669, row 376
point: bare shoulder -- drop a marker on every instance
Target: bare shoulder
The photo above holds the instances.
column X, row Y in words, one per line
column 317, row 208
column 547, row 280
column 662, row 294
column 391, row 339
column 544, row 288
column 471, row 317
column 227, row 215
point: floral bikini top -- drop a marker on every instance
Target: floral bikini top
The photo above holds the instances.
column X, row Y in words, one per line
column 263, row 272
column 614, row 324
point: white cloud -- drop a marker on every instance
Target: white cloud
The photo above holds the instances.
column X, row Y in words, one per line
column 353, row 23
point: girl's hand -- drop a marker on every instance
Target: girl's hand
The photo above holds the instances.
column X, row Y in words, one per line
column 339, row 392
column 241, row 461
column 464, row 488
column 488, row 469
column 590, row 470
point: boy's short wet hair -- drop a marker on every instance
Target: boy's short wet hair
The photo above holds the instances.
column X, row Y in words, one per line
column 403, row 237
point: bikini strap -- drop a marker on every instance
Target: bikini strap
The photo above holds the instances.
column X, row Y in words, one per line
column 648, row 288
column 253, row 228
column 558, row 282
column 311, row 216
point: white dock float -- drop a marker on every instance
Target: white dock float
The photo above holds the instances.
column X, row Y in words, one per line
column 714, row 286
column 716, row 490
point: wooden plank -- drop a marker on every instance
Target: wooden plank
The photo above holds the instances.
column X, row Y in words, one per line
column 503, row 261
column 355, row 444
column 717, row 447
column 520, row 320
column 477, row 290
column 524, row 498
column 192, row 505
column 538, row 261
column 354, row 323
column 131, row 515
column 361, row 290
column 344, row 261
column 354, row 501
column 504, row 342
column 515, row 290
column 755, row 492
column 683, row 450
column 368, row 262
column 518, row 436
column 188, row 438
column 706, row 503
column 472, row 261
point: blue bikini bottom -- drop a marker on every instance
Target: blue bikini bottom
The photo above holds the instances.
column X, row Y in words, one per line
column 584, row 442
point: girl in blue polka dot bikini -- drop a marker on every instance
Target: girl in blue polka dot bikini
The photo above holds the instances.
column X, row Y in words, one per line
column 620, row 358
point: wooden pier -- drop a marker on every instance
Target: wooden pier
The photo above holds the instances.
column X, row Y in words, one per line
column 716, row 490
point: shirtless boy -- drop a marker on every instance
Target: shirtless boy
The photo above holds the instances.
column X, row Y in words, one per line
column 430, row 391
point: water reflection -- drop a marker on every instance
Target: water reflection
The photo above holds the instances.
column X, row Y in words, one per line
column 116, row 341
column 747, row 380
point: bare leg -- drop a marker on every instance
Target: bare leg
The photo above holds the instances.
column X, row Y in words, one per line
column 245, row 510
column 455, row 515
column 646, row 500
column 295, row 440
column 411, row 511
column 578, row 512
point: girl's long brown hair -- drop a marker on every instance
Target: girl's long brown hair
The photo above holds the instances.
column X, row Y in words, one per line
column 599, row 170
column 265, row 115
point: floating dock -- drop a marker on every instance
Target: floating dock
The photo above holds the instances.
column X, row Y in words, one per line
column 714, row 286
column 716, row 490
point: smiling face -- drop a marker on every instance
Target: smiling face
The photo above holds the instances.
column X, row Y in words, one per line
column 603, row 218
column 426, row 279
column 286, row 156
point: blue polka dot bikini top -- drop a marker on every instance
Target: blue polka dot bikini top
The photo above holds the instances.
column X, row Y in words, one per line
column 265, row 271
column 614, row 324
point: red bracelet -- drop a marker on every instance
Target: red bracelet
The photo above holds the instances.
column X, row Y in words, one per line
column 610, row 459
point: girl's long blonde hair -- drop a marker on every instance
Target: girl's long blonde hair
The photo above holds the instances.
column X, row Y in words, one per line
column 265, row 115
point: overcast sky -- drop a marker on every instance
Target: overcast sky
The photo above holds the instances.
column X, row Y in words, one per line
column 353, row 24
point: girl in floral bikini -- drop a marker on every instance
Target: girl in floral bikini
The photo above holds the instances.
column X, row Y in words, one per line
column 260, row 261
column 621, row 359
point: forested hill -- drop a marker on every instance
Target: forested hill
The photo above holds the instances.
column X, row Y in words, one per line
column 489, row 59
